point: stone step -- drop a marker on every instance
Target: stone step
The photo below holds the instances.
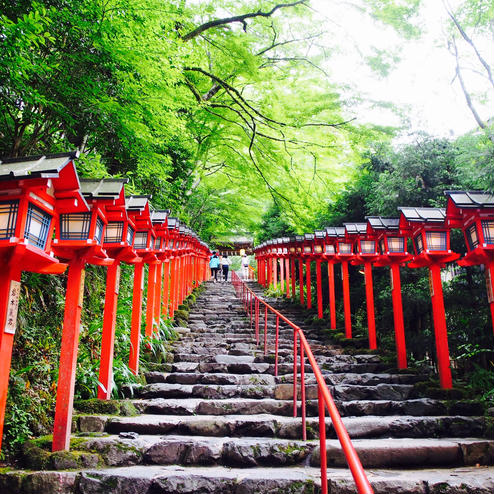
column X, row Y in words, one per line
column 267, row 368
column 331, row 379
column 259, row 452
column 266, row 425
column 245, row 406
column 254, row 388
column 220, row 480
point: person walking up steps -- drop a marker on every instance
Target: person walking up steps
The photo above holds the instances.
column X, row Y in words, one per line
column 214, row 264
column 245, row 267
column 225, row 265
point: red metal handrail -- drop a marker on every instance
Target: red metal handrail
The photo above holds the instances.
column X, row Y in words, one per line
column 252, row 303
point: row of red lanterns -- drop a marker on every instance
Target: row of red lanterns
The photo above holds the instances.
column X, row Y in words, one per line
column 48, row 215
column 383, row 242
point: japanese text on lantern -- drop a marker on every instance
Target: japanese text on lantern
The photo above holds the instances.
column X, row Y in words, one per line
column 11, row 320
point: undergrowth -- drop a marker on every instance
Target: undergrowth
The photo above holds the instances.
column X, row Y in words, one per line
column 36, row 353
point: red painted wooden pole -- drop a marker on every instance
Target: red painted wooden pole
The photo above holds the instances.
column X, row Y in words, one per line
column 282, row 274
column 108, row 334
column 150, row 299
column 369, row 294
column 287, row 271
column 309, row 288
column 301, row 280
column 10, row 277
column 275, row 273
column 157, row 297
column 270, row 271
column 319, row 289
column 294, row 278
column 401, row 352
column 135, row 328
column 172, row 287
column 440, row 331
column 346, row 299
column 68, row 356
column 166, row 280
column 489, row 280
column 332, row 296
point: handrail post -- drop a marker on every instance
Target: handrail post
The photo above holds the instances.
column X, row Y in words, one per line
column 302, row 391
column 257, row 315
column 322, row 442
column 295, row 334
column 265, row 339
column 265, row 323
column 276, row 344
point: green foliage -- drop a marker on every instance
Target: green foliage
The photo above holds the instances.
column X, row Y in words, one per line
column 36, row 354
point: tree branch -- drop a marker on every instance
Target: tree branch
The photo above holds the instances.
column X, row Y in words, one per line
column 238, row 18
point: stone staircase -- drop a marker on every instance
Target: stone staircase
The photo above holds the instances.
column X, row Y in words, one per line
column 217, row 420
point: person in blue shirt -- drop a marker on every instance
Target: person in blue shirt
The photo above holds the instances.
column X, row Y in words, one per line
column 214, row 264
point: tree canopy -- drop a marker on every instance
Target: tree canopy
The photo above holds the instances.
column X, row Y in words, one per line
column 221, row 109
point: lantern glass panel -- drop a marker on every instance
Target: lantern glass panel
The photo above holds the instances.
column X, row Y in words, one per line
column 472, row 236
column 330, row 249
column 436, row 240
column 114, row 232
column 307, row 249
column 37, row 226
column 280, row 250
column 75, row 226
column 382, row 247
column 318, row 249
column 130, row 235
column 367, row 247
column 299, row 250
column 344, row 248
column 292, row 250
column 8, row 218
column 98, row 234
column 419, row 244
column 396, row 244
column 285, row 250
column 488, row 231
column 141, row 240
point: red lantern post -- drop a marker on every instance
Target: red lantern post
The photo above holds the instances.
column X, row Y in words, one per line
column 292, row 249
column 33, row 191
column 366, row 249
column 473, row 212
column 392, row 243
column 79, row 238
column 431, row 243
column 138, row 209
column 318, row 251
column 109, row 195
column 330, row 255
column 286, row 261
column 344, row 254
column 299, row 239
column 307, row 256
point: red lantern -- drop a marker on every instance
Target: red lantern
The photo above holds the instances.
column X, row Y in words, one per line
column 329, row 253
column 139, row 213
column 392, row 246
column 473, row 212
column 366, row 252
column 344, row 253
column 108, row 194
column 430, row 236
column 33, row 191
column 318, row 250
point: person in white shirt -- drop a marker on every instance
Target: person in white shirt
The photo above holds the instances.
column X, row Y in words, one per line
column 225, row 265
column 245, row 267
